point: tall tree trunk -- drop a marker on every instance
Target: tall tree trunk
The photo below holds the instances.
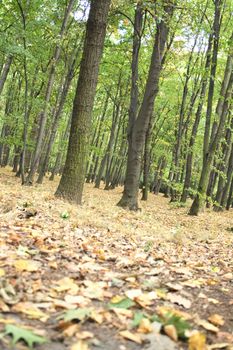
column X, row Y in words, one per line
column 189, row 160
column 73, row 177
column 56, row 119
column 140, row 125
column 225, row 95
column 229, row 178
column 44, row 112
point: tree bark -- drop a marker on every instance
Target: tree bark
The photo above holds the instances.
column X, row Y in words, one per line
column 44, row 112
column 73, row 177
column 199, row 201
column 5, row 71
column 138, row 131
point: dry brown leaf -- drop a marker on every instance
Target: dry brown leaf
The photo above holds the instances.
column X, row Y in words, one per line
column 80, row 345
column 97, row 317
column 77, row 300
column 71, row 330
column 218, row 346
column 84, row 335
column 174, row 286
column 31, row 310
column 170, row 330
column 131, row 336
column 145, row 326
column 66, row 284
column 208, row 326
column 178, row 299
column 216, row 320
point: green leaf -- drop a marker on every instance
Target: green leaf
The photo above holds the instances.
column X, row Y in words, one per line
column 65, row 215
column 78, row 314
column 138, row 316
column 178, row 322
column 155, row 318
column 27, row 336
column 125, row 303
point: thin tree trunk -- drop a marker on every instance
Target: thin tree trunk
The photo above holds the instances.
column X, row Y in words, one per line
column 5, row 71
column 140, row 125
column 44, row 112
column 222, row 112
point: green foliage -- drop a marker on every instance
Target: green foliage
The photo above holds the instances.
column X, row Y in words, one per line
column 125, row 303
column 77, row 314
column 138, row 316
column 179, row 323
column 29, row 337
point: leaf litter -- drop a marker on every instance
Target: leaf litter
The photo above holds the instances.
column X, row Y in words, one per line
column 98, row 277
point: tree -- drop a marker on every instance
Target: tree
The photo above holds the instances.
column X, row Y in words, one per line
column 73, row 177
column 139, row 127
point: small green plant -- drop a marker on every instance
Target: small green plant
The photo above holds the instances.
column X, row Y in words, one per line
column 65, row 215
column 148, row 246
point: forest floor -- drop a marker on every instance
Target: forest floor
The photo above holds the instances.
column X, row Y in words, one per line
column 99, row 277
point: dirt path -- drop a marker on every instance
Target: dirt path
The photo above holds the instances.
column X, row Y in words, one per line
column 96, row 275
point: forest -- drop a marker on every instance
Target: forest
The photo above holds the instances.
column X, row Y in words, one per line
column 116, row 174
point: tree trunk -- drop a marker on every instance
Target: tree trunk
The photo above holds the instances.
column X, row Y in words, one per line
column 56, row 120
column 73, row 177
column 199, row 201
column 5, row 71
column 140, row 125
column 44, row 112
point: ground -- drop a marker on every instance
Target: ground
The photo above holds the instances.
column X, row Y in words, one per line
column 99, row 277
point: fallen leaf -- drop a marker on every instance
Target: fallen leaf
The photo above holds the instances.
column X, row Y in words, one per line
column 66, row 284
column 27, row 265
column 197, row 342
column 2, row 272
column 80, row 345
column 133, row 293
column 218, row 346
column 178, row 299
column 84, row 335
column 145, row 326
column 131, row 336
column 170, row 330
column 208, row 326
column 216, row 320
column 31, row 310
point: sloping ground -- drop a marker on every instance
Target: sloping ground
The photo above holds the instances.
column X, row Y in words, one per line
column 96, row 276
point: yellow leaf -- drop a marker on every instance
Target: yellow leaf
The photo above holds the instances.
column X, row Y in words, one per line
column 116, row 299
column 67, row 283
column 197, row 341
column 2, row 272
column 27, row 265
